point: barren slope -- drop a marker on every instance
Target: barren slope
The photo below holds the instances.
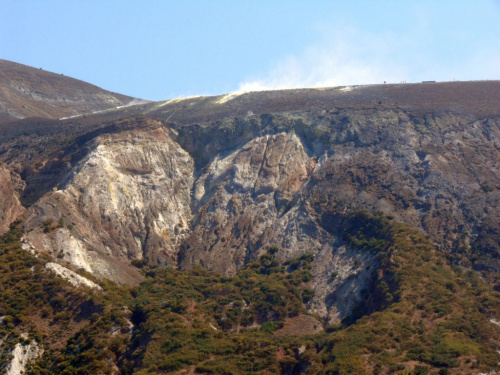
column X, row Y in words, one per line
column 29, row 92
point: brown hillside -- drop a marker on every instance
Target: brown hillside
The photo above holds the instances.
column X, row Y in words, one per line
column 29, row 92
column 476, row 98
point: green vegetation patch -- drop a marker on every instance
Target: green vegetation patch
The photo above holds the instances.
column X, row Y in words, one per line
column 439, row 318
column 217, row 324
column 422, row 315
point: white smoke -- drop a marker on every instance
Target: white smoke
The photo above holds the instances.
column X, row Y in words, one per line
column 347, row 58
column 346, row 55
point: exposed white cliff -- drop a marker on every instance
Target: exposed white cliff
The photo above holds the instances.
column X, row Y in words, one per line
column 74, row 278
column 22, row 355
column 130, row 197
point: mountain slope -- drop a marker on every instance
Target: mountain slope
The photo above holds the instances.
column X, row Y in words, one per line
column 221, row 193
column 389, row 193
column 431, row 316
column 29, row 92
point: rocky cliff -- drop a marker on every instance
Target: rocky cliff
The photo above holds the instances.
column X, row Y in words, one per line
column 11, row 187
column 128, row 198
column 218, row 194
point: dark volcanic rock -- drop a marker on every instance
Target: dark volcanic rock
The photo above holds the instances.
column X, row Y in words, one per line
column 11, row 187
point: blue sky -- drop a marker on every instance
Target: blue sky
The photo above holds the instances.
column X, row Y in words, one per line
column 165, row 49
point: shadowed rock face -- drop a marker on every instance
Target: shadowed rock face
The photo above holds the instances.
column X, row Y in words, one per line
column 240, row 196
column 11, row 186
column 217, row 190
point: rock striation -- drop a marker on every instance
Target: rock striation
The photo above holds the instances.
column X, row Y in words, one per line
column 128, row 198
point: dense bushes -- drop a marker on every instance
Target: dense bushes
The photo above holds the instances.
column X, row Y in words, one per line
column 189, row 317
column 438, row 316
column 33, row 301
column 431, row 318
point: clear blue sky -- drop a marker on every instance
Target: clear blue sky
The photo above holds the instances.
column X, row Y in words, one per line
column 166, row 49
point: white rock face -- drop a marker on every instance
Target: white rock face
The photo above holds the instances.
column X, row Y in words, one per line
column 240, row 197
column 335, row 297
column 128, row 198
column 22, row 355
column 74, row 278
